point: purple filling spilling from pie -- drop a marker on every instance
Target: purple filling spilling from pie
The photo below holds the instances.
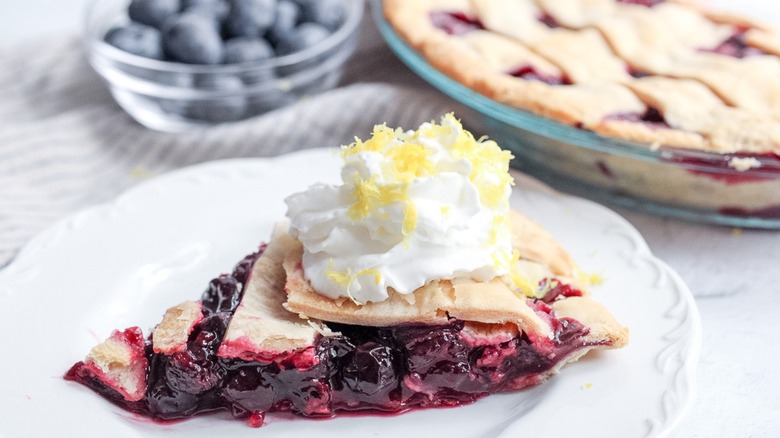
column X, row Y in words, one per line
column 548, row 20
column 637, row 73
column 373, row 369
column 736, row 46
column 455, row 23
column 772, row 212
column 720, row 170
column 530, row 73
column 651, row 118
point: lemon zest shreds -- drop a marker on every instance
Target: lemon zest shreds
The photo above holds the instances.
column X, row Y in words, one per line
column 498, row 230
column 369, row 196
column 345, row 279
column 589, row 278
column 407, row 158
column 380, row 137
column 410, row 219
column 523, row 284
column 410, row 161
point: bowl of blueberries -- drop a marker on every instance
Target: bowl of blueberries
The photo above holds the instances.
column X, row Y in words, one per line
column 174, row 65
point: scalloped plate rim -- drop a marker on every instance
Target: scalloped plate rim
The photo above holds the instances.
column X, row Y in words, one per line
column 26, row 256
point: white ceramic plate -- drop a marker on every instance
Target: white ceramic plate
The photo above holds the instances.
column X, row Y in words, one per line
column 122, row 264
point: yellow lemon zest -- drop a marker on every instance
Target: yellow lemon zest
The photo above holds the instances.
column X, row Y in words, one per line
column 509, row 262
column 490, row 165
column 369, row 196
column 589, row 278
column 410, row 161
column 381, row 136
column 499, row 230
column 410, row 219
column 346, row 278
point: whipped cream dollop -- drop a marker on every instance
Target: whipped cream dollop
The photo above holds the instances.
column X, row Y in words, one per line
column 413, row 207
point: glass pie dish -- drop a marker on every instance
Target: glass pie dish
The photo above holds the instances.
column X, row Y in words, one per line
column 176, row 97
column 728, row 189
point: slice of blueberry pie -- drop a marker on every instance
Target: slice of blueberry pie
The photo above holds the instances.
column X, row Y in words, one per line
column 410, row 285
column 662, row 72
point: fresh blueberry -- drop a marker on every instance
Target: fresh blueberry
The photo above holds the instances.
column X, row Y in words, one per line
column 152, row 12
column 304, row 3
column 173, row 79
column 221, row 109
column 269, row 101
column 192, row 38
column 137, row 39
column 302, row 37
column 329, row 13
column 219, row 82
column 212, row 12
column 177, row 80
column 287, row 15
column 249, row 18
column 219, row 5
column 247, row 49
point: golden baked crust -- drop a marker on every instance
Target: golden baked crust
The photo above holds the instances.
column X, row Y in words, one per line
column 171, row 334
column 260, row 323
column 595, row 47
column 489, row 305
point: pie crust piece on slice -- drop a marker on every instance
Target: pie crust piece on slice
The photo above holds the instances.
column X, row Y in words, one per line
column 260, row 339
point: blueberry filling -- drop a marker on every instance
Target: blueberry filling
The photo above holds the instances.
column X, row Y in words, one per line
column 637, row 73
column 548, row 20
column 651, row 118
column 455, row 23
column 372, row 369
column 530, row 73
column 736, row 46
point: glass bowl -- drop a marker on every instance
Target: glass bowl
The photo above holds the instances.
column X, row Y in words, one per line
column 686, row 184
column 162, row 95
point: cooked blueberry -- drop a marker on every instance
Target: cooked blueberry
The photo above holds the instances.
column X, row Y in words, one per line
column 222, row 295
column 249, row 18
column 372, row 369
column 329, row 13
column 152, row 12
column 137, row 39
column 242, row 269
column 250, row 388
column 302, row 37
column 221, row 109
column 192, row 38
column 246, row 49
column 287, row 15
column 188, row 374
column 165, row 402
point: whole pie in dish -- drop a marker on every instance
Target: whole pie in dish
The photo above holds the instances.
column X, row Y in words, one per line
column 373, row 297
column 663, row 72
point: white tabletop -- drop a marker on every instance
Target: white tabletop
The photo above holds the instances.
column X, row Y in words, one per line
column 732, row 273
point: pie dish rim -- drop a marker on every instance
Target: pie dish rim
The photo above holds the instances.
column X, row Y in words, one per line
column 688, row 158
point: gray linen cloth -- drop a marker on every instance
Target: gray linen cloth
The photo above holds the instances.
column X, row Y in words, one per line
column 65, row 144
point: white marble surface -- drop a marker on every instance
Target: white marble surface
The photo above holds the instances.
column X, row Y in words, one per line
column 734, row 274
